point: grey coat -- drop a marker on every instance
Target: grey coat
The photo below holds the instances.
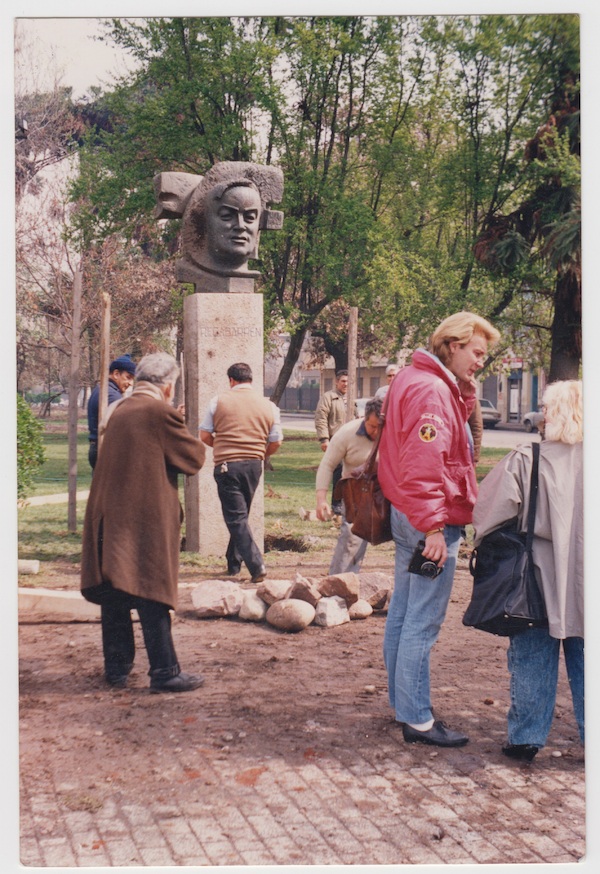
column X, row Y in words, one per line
column 558, row 532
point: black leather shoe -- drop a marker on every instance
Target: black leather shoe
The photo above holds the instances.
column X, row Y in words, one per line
column 524, row 752
column 260, row 576
column 438, row 735
column 181, row 683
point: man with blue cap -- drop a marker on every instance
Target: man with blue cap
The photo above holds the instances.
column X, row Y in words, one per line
column 120, row 377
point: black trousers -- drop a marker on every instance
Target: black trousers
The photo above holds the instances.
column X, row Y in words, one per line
column 237, row 482
column 336, row 506
column 117, row 635
column 93, row 453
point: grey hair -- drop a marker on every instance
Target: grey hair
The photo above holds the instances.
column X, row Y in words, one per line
column 158, row 368
column 373, row 405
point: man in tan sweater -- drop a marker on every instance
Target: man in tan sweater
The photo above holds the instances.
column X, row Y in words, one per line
column 243, row 429
column 349, row 447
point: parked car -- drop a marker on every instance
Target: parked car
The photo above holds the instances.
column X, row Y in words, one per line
column 533, row 420
column 489, row 413
column 359, row 407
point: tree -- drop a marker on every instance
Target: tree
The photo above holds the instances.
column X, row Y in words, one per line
column 400, row 139
column 537, row 245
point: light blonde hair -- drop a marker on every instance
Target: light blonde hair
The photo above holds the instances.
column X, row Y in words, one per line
column 563, row 403
column 460, row 327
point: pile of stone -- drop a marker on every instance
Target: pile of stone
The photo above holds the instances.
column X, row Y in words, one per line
column 293, row 605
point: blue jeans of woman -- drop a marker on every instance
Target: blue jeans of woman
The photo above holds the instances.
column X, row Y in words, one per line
column 533, row 664
column 415, row 614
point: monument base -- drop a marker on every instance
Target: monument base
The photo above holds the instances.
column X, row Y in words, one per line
column 218, row 331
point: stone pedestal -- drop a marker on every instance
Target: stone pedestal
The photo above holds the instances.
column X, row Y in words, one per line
column 219, row 329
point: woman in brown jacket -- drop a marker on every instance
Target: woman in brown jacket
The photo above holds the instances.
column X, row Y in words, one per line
column 131, row 535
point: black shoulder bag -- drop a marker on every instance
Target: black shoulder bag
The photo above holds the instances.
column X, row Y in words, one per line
column 506, row 598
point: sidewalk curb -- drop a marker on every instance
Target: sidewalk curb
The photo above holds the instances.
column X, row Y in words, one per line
column 52, row 601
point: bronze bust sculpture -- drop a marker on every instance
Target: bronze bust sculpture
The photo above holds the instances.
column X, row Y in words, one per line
column 223, row 213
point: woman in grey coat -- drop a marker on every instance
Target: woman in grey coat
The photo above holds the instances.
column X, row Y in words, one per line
column 558, row 557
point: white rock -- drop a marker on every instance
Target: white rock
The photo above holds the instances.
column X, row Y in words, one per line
column 291, row 614
column 360, row 609
column 28, row 566
column 253, row 607
column 217, row 598
column 331, row 611
column 273, row 590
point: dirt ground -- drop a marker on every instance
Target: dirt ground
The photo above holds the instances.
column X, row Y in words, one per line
column 264, row 688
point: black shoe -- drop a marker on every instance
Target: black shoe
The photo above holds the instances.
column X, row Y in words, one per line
column 233, row 571
column 524, row 752
column 181, row 683
column 259, row 576
column 438, row 735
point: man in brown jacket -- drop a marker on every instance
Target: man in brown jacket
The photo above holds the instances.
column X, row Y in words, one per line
column 131, row 535
column 243, row 429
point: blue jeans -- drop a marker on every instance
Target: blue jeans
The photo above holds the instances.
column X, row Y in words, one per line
column 533, row 664
column 415, row 614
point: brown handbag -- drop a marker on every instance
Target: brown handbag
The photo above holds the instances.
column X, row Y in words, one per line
column 365, row 506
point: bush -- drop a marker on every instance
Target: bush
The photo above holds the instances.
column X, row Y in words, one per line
column 30, row 448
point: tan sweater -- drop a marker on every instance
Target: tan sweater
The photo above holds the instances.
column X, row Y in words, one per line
column 242, row 422
column 346, row 446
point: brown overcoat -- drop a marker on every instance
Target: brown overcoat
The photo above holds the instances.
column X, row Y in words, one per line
column 131, row 534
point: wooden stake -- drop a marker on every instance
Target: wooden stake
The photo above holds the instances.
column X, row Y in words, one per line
column 352, row 362
column 73, row 399
column 104, row 361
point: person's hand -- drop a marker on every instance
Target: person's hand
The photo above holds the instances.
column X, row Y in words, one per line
column 435, row 548
column 324, row 445
column 467, row 387
column 181, row 410
column 323, row 508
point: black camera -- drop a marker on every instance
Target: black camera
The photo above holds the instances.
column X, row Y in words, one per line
column 423, row 566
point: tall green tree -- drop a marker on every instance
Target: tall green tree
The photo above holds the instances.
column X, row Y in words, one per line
column 536, row 245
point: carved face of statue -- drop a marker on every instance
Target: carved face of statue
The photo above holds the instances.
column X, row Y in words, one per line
column 232, row 225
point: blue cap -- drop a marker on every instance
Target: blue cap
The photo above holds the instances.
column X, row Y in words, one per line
column 125, row 362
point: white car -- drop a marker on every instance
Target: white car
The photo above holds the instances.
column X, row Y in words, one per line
column 359, row 407
column 533, row 420
column 489, row 413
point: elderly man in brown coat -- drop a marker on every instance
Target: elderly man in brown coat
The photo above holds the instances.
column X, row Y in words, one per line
column 131, row 536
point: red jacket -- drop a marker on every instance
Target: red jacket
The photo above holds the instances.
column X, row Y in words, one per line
column 426, row 466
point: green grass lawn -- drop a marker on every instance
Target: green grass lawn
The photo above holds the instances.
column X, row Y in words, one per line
column 289, row 487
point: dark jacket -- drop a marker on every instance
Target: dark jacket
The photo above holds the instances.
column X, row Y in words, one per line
column 131, row 533
column 114, row 394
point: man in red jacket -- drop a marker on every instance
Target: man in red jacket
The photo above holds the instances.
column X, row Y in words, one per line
column 426, row 470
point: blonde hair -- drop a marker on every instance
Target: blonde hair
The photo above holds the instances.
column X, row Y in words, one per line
column 563, row 402
column 460, row 328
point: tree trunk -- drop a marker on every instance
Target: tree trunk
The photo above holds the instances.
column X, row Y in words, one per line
column 291, row 357
column 565, row 357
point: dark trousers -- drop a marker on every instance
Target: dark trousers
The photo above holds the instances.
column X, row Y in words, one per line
column 336, row 476
column 236, row 484
column 93, row 453
column 118, row 641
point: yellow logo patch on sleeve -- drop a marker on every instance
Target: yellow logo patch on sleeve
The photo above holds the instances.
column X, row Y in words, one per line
column 428, row 433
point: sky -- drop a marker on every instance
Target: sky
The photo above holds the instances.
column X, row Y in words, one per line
column 70, row 48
